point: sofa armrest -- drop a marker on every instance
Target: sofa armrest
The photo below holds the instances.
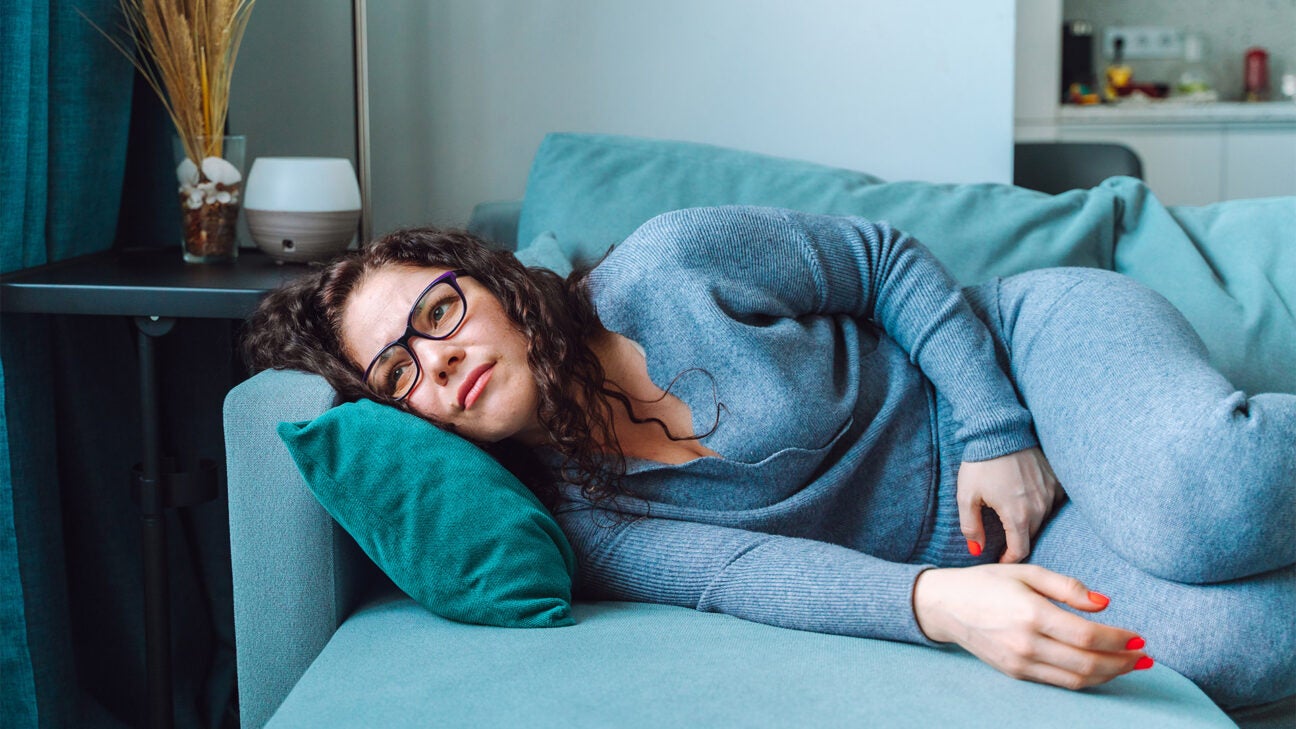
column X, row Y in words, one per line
column 497, row 223
column 289, row 574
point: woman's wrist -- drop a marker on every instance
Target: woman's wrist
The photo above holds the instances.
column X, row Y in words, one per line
column 927, row 604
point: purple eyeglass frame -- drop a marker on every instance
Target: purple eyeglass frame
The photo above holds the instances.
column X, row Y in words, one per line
column 450, row 277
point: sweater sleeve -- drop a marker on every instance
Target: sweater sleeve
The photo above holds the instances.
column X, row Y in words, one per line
column 767, row 262
column 788, row 582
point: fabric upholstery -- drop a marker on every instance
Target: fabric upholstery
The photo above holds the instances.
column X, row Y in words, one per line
column 496, row 222
column 637, row 665
column 294, row 577
column 1231, row 269
column 546, row 252
column 593, row 190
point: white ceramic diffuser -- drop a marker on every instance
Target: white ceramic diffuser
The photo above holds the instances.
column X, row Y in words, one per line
column 302, row 209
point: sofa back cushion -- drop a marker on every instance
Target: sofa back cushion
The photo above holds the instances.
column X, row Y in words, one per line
column 1230, row 267
column 592, row 191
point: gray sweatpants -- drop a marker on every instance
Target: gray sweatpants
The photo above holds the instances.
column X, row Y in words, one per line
column 1182, row 489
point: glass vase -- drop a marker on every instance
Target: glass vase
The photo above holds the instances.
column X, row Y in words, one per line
column 211, row 192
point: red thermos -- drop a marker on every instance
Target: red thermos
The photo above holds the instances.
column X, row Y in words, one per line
column 1257, row 75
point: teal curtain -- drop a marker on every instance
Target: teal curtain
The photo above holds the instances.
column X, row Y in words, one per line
column 66, row 99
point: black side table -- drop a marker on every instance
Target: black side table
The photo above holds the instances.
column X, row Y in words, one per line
column 155, row 287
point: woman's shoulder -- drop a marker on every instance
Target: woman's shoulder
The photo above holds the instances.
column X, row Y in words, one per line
column 694, row 239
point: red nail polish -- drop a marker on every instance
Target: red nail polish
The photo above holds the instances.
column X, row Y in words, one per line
column 1143, row 664
column 1098, row 598
column 974, row 548
column 1134, row 644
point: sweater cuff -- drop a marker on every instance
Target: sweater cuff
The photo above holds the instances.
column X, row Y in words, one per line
column 986, row 448
column 920, row 637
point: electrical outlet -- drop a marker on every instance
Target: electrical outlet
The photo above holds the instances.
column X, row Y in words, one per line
column 1144, row 42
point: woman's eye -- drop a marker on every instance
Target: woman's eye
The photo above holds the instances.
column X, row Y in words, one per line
column 441, row 314
column 397, row 376
column 393, row 377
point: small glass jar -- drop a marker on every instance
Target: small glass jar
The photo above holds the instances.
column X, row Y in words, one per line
column 210, row 193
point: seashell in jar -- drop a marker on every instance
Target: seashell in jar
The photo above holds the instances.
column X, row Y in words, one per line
column 219, row 170
column 223, row 197
column 187, row 173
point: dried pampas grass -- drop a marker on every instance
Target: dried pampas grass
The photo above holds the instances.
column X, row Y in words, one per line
column 186, row 49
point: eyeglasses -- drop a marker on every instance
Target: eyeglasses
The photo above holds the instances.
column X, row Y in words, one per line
column 436, row 314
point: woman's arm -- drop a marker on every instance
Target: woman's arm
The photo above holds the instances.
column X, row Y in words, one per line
column 763, row 262
column 792, row 583
column 1003, row 614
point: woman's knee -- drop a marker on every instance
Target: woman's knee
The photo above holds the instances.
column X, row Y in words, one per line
column 1206, row 516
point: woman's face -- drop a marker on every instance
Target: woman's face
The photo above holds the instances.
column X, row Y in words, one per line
column 477, row 380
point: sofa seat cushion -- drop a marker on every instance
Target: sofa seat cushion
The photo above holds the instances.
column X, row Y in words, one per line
column 629, row 665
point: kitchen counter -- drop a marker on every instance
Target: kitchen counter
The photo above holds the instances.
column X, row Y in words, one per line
column 1180, row 112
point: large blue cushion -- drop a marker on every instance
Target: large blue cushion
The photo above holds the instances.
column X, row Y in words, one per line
column 631, row 665
column 592, row 190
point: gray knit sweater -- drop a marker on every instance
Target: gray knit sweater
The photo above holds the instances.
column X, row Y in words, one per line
column 823, row 338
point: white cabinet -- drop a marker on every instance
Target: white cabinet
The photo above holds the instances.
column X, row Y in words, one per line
column 1183, row 166
column 1198, row 164
column 1259, row 163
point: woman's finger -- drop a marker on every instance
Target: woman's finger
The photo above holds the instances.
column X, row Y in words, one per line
column 1074, row 630
column 970, row 521
column 1097, row 665
column 1055, row 676
column 1017, row 537
column 1063, row 589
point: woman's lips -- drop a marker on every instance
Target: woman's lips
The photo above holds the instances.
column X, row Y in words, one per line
column 473, row 384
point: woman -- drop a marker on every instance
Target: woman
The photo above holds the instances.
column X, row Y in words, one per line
column 801, row 420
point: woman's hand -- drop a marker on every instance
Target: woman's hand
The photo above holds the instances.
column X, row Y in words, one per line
column 1002, row 614
column 1022, row 490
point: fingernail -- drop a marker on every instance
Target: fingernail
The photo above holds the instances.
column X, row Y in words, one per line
column 1098, row 598
column 1134, row 644
column 974, row 548
column 1143, row 664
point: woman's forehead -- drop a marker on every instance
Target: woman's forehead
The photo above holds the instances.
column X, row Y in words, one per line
column 375, row 312
column 398, row 278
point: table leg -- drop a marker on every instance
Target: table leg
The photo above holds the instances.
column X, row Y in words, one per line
column 152, row 503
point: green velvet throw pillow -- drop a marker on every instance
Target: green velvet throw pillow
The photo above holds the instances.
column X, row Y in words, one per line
column 450, row 525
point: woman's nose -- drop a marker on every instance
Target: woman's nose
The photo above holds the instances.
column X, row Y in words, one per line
column 440, row 359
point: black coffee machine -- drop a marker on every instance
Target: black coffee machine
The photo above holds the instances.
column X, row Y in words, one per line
column 1077, row 55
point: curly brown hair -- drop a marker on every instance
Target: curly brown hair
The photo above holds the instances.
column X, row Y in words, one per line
column 299, row 325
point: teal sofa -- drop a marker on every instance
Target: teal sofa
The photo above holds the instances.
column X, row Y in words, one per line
column 324, row 640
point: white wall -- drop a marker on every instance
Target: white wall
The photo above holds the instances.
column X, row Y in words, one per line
column 462, row 91
column 293, row 92
column 1039, row 69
